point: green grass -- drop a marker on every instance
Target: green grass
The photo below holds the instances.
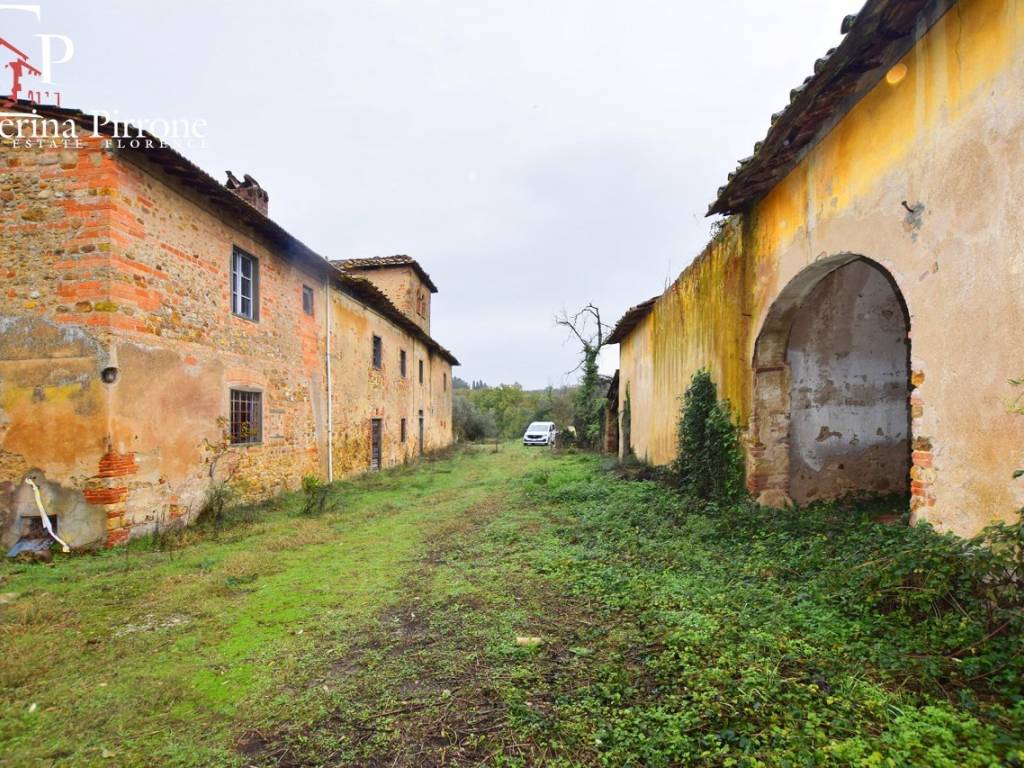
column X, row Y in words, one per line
column 157, row 657
column 384, row 633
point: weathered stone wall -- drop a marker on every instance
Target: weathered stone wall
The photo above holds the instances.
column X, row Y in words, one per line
column 363, row 393
column 112, row 265
column 947, row 141
column 184, row 350
column 405, row 289
column 55, row 327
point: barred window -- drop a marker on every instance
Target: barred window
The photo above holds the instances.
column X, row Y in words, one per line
column 245, row 285
column 307, row 300
column 246, row 417
column 378, row 352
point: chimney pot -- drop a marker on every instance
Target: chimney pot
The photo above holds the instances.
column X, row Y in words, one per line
column 249, row 190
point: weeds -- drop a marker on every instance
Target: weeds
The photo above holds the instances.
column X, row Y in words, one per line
column 316, row 496
column 218, row 499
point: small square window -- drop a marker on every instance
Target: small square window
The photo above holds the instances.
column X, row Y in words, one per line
column 378, row 352
column 246, row 417
column 307, row 300
column 421, row 371
column 245, row 285
column 401, row 363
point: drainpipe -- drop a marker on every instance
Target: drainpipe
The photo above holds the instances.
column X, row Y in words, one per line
column 330, row 388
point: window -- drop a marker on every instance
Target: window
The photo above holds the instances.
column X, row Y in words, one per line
column 444, row 378
column 421, row 371
column 307, row 300
column 245, row 285
column 403, row 430
column 401, row 363
column 378, row 352
column 246, row 417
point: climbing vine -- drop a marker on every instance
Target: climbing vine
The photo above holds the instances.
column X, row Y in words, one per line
column 709, row 462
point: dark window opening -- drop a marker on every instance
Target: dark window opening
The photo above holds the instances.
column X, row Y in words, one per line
column 444, row 378
column 421, row 431
column 401, row 363
column 375, row 443
column 403, row 430
column 246, row 417
column 421, row 371
column 33, row 528
column 378, row 352
column 307, row 300
column 245, row 285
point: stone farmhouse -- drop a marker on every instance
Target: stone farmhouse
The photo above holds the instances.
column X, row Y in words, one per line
column 858, row 306
column 159, row 333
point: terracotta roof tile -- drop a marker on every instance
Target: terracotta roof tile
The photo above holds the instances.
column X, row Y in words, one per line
column 384, row 262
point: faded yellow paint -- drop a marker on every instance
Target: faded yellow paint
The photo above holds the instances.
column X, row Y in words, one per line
column 948, row 136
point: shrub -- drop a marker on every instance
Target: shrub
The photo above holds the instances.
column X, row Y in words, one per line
column 316, row 493
column 709, row 462
column 218, row 498
column 471, row 422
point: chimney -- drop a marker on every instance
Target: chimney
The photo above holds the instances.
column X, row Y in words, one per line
column 249, row 190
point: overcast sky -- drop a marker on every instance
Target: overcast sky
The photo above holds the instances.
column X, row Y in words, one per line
column 531, row 154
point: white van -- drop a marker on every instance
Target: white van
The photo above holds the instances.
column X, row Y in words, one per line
column 540, row 433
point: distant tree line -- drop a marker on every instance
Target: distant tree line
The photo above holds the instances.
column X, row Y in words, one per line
column 481, row 411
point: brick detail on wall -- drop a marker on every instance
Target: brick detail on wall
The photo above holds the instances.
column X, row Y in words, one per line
column 114, row 464
column 108, row 489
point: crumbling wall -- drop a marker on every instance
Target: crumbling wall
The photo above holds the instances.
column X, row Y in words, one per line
column 363, row 393
column 925, row 177
column 183, row 350
column 848, row 356
column 118, row 349
column 55, row 330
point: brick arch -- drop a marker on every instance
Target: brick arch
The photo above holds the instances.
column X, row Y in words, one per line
column 831, row 390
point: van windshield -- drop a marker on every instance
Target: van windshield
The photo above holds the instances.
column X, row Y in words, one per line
column 539, row 426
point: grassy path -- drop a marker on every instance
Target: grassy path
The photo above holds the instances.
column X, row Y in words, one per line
column 384, row 633
column 146, row 657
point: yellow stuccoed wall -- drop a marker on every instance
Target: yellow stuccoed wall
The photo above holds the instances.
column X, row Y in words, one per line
column 949, row 136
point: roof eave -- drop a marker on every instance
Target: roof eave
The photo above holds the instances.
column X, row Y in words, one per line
column 881, row 34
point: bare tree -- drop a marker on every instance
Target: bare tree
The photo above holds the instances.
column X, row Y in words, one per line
column 592, row 334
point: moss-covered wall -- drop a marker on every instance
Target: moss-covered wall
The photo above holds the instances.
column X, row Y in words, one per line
column 947, row 140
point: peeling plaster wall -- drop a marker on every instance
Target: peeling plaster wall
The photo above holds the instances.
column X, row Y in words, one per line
column 947, row 139
column 55, row 241
column 110, row 263
column 849, row 396
column 184, row 350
